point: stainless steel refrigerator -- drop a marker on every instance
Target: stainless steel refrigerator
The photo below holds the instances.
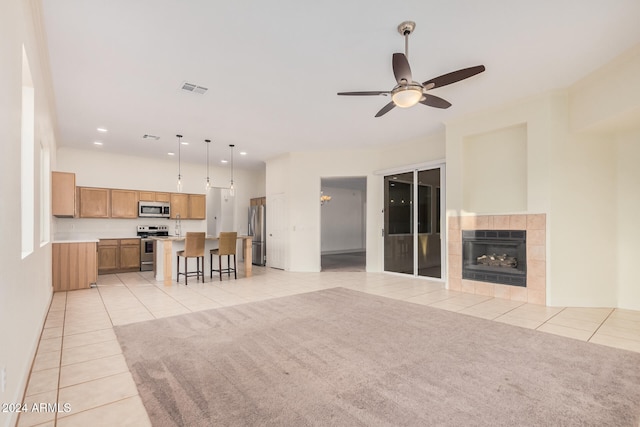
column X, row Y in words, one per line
column 257, row 230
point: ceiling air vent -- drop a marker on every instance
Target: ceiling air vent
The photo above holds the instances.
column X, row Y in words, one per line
column 190, row 87
column 148, row 136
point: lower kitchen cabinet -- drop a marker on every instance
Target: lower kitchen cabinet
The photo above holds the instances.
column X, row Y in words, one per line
column 74, row 265
column 129, row 255
column 118, row 255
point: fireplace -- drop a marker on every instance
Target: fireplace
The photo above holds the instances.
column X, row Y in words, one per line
column 495, row 256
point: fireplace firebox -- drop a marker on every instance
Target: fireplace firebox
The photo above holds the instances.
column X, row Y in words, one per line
column 495, row 256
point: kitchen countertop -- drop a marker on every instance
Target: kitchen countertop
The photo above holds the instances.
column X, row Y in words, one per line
column 76, row 241
column 179, row 238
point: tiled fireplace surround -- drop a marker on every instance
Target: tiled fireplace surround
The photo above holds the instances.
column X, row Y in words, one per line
column 535, row 225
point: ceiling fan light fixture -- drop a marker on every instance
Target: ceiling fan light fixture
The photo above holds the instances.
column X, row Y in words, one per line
column 406, row 96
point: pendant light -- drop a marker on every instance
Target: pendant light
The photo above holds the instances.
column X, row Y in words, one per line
column 232, row 190
column 208, row 183
column 179, row 184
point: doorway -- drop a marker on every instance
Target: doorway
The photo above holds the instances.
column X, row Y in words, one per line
column 412, row 222
column 343, row 224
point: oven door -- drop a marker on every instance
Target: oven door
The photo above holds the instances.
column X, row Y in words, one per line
column 146, row 254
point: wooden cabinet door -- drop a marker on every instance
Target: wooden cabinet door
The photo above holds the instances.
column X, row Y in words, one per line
column 129, row 254
column 147, row 196
column 94, row 202
column 163, row 197
column 107, row 256
column 197, row 206
column 63, row 194
column 179, row 205
column 124, row 204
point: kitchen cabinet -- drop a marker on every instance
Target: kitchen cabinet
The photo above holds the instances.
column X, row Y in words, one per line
column 258, row 201
column 163, row 197
column 74, row 265
column 197, row 206
column 118, row 255
column 147, row 196
column 129, row 256
column 179, row 205
column 124, row 204
column 94, row 202
column 188, row 206
column 63, row 194
column 108, row 256
column 153, row 196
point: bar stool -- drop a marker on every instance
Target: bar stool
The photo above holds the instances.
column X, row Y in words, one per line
column 193, row 248
column 226, row 246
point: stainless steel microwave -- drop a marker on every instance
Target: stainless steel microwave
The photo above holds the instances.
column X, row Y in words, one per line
column 154, row 209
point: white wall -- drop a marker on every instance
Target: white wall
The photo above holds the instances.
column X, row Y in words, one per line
column 94, row 168
column 25, row 287
column 343, row 221
column 582, row 157
column 298, row 176
column 495, row 171
column 628, row 227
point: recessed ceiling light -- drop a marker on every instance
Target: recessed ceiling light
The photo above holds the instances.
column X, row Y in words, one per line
column 171, row 154
column 184, row 143
column 103, row 130
column 224, row 161
column 97, row 143
column 243, row 153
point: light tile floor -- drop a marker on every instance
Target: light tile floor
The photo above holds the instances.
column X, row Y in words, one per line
column 79, row 360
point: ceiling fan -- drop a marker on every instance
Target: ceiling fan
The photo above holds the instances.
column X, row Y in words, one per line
column 408, row 93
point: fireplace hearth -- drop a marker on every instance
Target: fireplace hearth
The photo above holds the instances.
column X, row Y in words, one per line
column 495, row 256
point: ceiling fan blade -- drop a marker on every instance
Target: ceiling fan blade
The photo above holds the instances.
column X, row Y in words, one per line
column 368, row 93
column 455, row 76
column 434, row 101
column 401, row 69
column 386, row 109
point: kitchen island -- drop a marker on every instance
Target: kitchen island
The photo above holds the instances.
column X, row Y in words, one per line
column 165, row 250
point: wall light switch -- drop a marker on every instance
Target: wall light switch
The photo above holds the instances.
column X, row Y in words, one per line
column 3, row 379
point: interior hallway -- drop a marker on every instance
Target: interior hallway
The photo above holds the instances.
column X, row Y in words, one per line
column 79, row 360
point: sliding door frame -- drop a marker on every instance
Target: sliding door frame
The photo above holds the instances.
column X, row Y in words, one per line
column 415, row 168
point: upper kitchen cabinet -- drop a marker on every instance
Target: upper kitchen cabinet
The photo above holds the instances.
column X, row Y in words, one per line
column 152, row 196
column 163, row 197
column 124, row 204
column 258, row 201
column 197, row 206
column 94, row 202
column 63, row 194
column 147, row 196
column 188, row 206
column 179, row 205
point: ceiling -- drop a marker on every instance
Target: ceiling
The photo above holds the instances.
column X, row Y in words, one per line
column 272, row 69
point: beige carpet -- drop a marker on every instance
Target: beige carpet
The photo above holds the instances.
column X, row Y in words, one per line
column 344, row 358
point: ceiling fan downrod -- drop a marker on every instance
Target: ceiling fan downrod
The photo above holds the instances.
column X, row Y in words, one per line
column 405, row 29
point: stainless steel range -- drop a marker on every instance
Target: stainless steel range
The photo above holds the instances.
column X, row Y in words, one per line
column 146, row 232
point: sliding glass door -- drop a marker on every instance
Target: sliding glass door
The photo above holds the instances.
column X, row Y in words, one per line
column 412, row 217
column 398, row 223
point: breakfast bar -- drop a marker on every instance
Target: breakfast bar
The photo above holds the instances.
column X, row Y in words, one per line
column 165, row 255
